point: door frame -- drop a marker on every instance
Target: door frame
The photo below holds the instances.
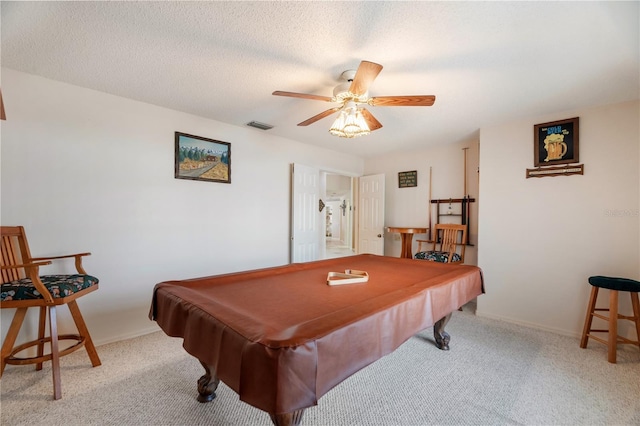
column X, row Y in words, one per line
column 351, row 201
column 323, row 171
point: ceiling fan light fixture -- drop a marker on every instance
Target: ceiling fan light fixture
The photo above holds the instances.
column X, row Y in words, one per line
column 350, row 124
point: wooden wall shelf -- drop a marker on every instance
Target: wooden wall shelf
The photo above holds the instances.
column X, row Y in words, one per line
column 564, row 170
column 464, row 214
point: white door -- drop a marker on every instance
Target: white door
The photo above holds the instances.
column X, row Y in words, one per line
column 305, row 214
column 371, row 216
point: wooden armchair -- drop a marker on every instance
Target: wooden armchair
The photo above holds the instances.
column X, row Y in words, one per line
column 448, row 245
column 23, row 287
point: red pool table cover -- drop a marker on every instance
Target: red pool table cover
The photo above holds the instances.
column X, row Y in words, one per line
column 281, row 337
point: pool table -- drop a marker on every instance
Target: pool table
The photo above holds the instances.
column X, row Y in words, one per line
column 281, row 337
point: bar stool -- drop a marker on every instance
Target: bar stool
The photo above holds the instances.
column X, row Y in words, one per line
column 614, row 285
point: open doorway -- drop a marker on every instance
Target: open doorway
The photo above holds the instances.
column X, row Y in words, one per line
column 321, row 233
column 338, row 215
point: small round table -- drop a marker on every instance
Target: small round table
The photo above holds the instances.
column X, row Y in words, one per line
column 407, row 238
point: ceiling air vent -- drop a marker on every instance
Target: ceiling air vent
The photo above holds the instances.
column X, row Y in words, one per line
column 259, row 125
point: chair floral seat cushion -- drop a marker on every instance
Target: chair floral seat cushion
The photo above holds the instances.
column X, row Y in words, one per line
column 58, row 285
column 437, row 256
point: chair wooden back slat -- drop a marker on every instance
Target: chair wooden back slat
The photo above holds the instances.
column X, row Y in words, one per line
column 15, row 251
column 448, row 240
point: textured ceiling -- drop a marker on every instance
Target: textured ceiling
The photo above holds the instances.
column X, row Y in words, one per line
column 486, row 62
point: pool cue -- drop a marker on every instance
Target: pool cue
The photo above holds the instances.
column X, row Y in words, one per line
column 465, row 202
column 429, row 204
column 465, row 171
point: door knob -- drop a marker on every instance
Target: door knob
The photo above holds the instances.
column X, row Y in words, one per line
column 379, row 235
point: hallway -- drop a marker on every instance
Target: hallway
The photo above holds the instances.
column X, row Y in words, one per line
column 336, row 248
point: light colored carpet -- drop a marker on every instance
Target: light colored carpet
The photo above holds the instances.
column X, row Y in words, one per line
column 495, row 374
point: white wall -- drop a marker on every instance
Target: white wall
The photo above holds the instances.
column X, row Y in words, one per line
column 87, row 171
column 332, row 212
column 541, row 238
column 409, row 207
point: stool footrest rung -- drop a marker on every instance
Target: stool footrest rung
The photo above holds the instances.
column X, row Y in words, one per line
column 624, row 341
column 620, row 340
column 14, row 360
column 597, row 339
column 626, row 317
column 601, row 316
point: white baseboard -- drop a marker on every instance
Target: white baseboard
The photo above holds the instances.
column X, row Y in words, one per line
column 529, row 324
column 126, row 336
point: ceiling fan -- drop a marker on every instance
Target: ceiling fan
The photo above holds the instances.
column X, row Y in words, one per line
column 353, row 119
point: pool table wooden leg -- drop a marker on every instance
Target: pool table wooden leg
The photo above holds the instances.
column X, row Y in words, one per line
column 441, row 336
column 287, row 419
column 207, row 384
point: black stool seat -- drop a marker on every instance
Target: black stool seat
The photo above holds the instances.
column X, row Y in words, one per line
column 612, row 283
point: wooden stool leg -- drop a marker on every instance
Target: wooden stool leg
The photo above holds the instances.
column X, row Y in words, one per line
column 613, row 325
column 84, row 331
column 12, row 335
column 588, row 320
column 55, row 353
column 635, row 302
column 42, row 324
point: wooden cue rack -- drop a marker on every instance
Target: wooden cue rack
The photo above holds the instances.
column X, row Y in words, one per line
column 464, row 215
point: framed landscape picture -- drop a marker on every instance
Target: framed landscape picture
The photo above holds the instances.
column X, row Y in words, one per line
column 199, row 158
column 556, row 142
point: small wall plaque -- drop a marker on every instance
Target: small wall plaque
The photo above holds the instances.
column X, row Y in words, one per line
column 407, row 179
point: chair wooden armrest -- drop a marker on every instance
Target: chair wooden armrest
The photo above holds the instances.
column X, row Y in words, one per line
column 78, row 257
column 25, row 265
column 61, row 257
column 421, row 242
column 32, row 270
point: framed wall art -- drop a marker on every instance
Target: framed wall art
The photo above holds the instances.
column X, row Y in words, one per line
column 407, row 179
column 556, row 142
column 199, row 158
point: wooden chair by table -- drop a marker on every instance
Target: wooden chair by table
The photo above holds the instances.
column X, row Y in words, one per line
column 448, row 245
column 23, row 288
column 614, row 285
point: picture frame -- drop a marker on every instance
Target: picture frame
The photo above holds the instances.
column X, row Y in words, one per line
column 408, row 179
column 556, row 142
column 204, row 159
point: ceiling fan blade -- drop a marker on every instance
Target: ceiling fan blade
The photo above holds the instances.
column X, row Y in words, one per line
column 319, row 116
column 418, row 100
column 371, row 120
column 302, row 95
column 367, row 72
